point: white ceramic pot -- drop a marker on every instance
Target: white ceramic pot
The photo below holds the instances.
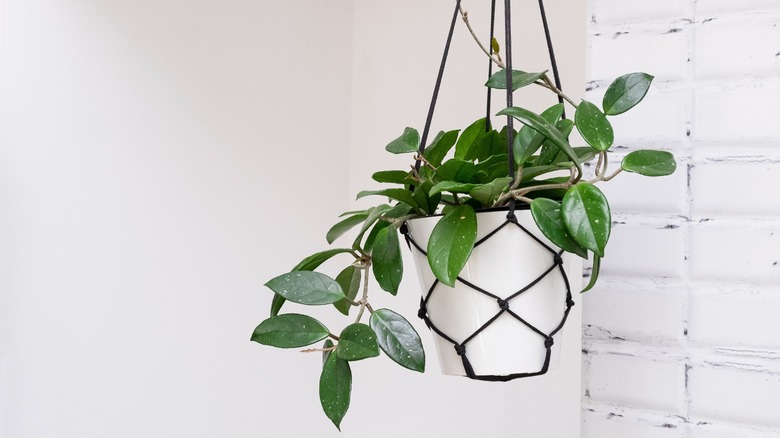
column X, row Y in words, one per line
column 502, row 265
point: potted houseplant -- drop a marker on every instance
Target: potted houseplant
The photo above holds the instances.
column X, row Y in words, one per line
column 462, row 187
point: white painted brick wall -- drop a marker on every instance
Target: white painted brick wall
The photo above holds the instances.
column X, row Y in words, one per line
column 682, row 335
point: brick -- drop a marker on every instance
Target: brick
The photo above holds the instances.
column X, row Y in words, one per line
column 735, row 251
column 632, row 193
column 716, row 192
column 664, row 55
column 637, row 382
column 716, row 119
column 622, row 11
column 634, row 309
column 714, row 321
column 706, row 430
column 728, row 394
column 612, row 425
column 645, row 250
column 708, row 8
column 720, row 40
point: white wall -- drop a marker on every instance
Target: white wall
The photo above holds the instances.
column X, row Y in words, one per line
column 150, row 154
column 681, row 334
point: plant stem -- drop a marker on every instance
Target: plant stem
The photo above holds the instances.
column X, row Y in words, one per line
column 548, row 84
column 334, row 337
column 364, row 300
column 319, row 350
column 613, row 175
column 495, row 57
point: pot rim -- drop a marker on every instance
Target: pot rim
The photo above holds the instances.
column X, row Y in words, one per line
column 520, row 207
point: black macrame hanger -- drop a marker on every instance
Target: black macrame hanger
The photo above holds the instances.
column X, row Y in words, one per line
column 503, row 303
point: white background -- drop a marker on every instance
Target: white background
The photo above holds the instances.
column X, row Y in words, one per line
column 160, row 160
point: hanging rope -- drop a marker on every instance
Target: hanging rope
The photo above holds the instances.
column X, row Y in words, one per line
column 489, row 112
column 551, row 51
column 510, row 131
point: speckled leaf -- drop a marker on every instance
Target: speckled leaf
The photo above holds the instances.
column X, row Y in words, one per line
column 387, row 265
column 594, row 273
column 409, row 141
column 356, row 342
column 344, row 225
column 468, row 137
column 326, row 350
column 451, row 243
column 587, row 217
column 520, row 79
column 487, row 193
column 307, row 287
column 594, row 126
column 528, row 140
column 290, row 330
column 650, row 163
column 547, row 215
column 398, row 339
column 625, row 92
column 349, row 280
column 335, row 388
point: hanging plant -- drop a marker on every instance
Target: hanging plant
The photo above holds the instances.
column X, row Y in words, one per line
column 457, row 175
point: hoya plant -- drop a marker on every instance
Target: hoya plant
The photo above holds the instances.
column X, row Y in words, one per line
column 458, row 174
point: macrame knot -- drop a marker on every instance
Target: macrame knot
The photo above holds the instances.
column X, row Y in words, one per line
column 460, row 349
column 558, row 259
column 503, row 304
column 510, row 217
column 548, row 342
column 422, row 313
column 404, row 229
column 570, row 303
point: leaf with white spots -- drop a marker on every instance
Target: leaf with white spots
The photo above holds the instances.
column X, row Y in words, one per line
column 398, row 339
column 594, row 126
column 451, row 243
column 307, row 287
column 335, row 388
column 289, row 331
column 587, row 217
column 387, row 265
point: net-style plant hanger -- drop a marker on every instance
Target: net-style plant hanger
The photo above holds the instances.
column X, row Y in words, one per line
column 503, row 302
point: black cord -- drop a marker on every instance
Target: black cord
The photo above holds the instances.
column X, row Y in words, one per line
column 553, row 63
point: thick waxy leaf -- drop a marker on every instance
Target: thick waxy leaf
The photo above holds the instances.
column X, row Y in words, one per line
column 650, row 163
column 402, row 195
column 487, row 193
column 520, row 79
column 456, row 170
column 584, row 154
column 439, row 147
column 594, row 273
column 392, row 177
column 427, row 202
column 398, row 339
column 307, row 287
column 548, row 217
column 528, row 140
column 625, row 92
column 349, row 280
column 374, row 216
column 545, row 128
column 345, row 225
column 387, row 264
column 368, row 245
column 587, row 217
column 594, row 126
column 549, row 150
column 335, row 388
column 486, row 145
column 276, row 304
column 452, row 187
column 468, row 138
column 356, row 342
column 451, row 243
column 314, row 261
column 326, row 350
column 290, row 331
column 530, row 173
column 409, row 141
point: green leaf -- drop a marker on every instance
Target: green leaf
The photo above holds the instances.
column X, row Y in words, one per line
column 326, row 350
column 439, row 147
column 391, row 176
column 409, row 141
column 335, row 388
column 494, row 45
column 587, row 217
column 307, row 287
column 650, row 163
column 520, row 79
column 456, row 170
column 398, row 339
column 528, row 140
column 548, row 217
column 314, row 261
column 625, row 92
column 451, row 243
column 584, row 154
column 468, row 137
column 594, row 126
column 357, row 341
column 345, row 225
column 387, row 265
column 545, row 128
column 486, row 145
column 290, row 331
column 486, row 194
column 428, row 203
column 594, row 274
column 530, row 173
column 368, row 245
column 549, row 150
column 374, row 216
column 276, row 304
column 402, row 195
column 349, row 280
column 452, row 187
